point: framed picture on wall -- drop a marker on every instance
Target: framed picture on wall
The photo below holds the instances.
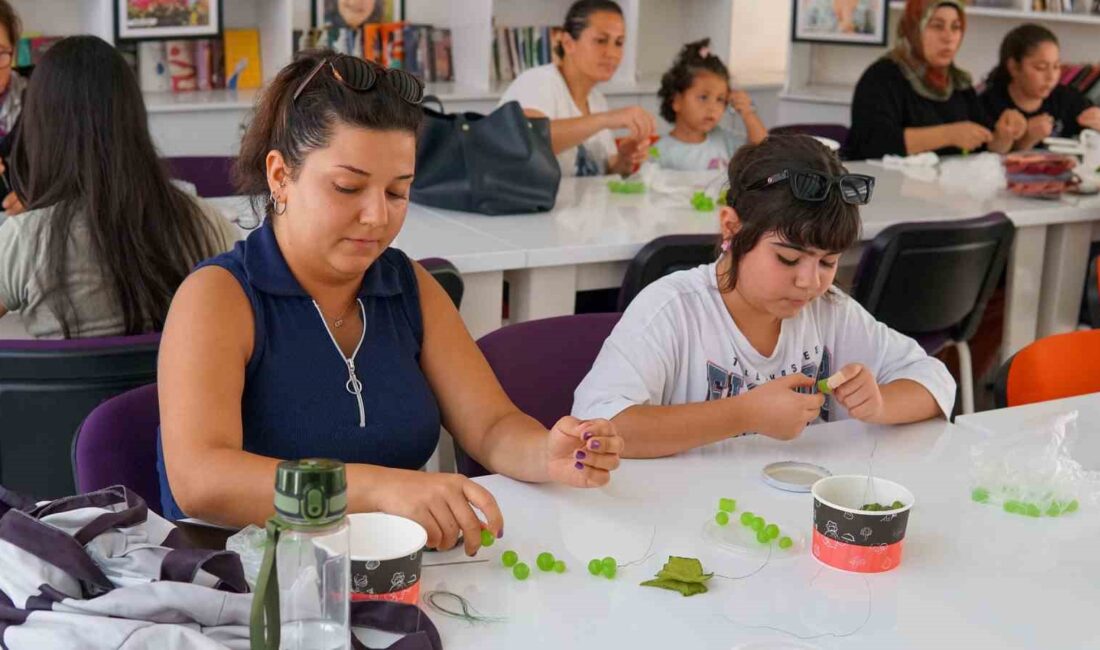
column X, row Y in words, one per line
column 845, row 22
column 353, row 14
column 146, row 20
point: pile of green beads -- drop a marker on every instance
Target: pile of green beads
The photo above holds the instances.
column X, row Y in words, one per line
column 765, row 532
column 487, row 538
column 878, row 507
column 626, row 187
column 1029, row 509
column 701, row 202
column 606, row 567
column 725, row 507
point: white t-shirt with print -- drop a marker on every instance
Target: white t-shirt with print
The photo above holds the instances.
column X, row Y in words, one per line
column 678, row 344
column 543, row 89
column 714, row 152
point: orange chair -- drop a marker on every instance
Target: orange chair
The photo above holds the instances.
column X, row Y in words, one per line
column 1053, row 367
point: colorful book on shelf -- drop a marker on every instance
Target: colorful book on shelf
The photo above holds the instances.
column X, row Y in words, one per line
column 393, row 45
column 243, row 67
column 1069, row 71
column 203, row 61
column 1086, row 69
column 442, row 64
column 1089, row 80
column 181, row 65
column 416, row 50
column 372, row 42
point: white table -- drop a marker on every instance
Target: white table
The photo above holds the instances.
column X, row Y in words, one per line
column 971, row 576
column 1085, row 439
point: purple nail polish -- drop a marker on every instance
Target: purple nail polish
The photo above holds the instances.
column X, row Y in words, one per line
column 581, row 455
column 595, row 444
column 500, row 535
column 587, row 435
column 579, row 465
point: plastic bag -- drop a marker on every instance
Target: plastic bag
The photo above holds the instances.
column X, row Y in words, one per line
column 1030, row 471
column 249, row 544
column 981, row 176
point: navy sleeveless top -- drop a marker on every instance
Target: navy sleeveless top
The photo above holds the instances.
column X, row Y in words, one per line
column 298, row 399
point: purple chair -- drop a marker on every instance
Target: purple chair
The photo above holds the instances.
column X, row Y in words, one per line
column 662, row 256
column 931, row 281
column 117, row 445
column 211, row 175
column 539, row 364
column 837, row 132
column 47, row 388
column 448, row 276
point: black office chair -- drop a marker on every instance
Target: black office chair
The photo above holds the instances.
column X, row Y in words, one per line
column 447, row 275
column 932, row 281
column 47, row 388
column 662, row 256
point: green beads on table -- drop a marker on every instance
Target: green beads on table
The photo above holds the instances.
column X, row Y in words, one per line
column 757, row 524
column 626, row 187
column 609, row 571
column 701, row 202
column 608, row 567
column 722, row 518
column 785, row 542
column 980, row 494
column 509, row 558
column 559, row 567
column 762, row 537
column 746, row 518
column 487, row 538
column 727, row 505
column 771, row 531
column 545, row 561
column 594, row 567
column 521, row 571
column 1013, row 507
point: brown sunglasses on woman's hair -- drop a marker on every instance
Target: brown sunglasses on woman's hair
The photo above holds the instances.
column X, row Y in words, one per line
column 361, row 76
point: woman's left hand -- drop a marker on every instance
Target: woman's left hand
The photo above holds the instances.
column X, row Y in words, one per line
column 1011, row 125
column 860, row 393
column 583, row 453
column 1090, row 118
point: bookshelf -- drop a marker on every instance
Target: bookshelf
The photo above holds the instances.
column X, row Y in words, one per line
column 821, row 77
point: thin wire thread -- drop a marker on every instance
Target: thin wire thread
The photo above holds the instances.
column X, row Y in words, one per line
column 648, row 552
column 468, row 612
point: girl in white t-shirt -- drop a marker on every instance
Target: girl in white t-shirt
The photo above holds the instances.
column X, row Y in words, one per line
column 694, row 94
column 737, row 346
column 580, row 120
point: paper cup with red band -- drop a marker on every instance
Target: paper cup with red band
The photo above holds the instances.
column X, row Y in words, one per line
column 386, row 552
column 846, row 537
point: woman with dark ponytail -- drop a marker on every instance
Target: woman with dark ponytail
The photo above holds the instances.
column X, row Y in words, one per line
column 316, row 338
column 1026, row 80
column 580, row 119
column 695, row 94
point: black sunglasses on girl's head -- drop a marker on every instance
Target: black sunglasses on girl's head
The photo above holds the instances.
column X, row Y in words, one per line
column 810, row 185
column 361, row 76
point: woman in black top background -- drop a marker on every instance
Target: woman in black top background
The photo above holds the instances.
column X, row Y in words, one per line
column 1026, row 80
column 915, row 99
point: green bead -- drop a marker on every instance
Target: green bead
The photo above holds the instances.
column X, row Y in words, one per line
column 727, row 505
column 762, row 537
column 559, row 567
column 1072, row 506
column 772, row 531
column 897, row 504
column 746, row 518
column 509, row 558
column 545, row 561
column 757, row 524
column 1012, row 506
column 487, row 538
column 785, row 542
column 981, row 495
column 1032, row 510
column 608, row 562
column 1054, row 510
column 521, row 571
column 594, row 567
column 722, row 518
column 609, row 571
column 823, row 387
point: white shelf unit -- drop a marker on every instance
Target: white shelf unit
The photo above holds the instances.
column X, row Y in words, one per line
column 822, row 76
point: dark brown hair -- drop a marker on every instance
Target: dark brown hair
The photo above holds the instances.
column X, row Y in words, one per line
column 1017, row 44
column 576, row 19
column 84, row 150
column 830, row 225
column 9, row 20
column 690, row 62
column 297, row 128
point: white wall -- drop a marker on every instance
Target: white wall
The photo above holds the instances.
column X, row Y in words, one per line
column 760, row 36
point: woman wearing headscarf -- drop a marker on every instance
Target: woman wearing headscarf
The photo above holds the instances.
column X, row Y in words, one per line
column 916, row 99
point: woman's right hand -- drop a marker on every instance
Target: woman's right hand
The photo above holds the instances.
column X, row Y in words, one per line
column 442, row 503
column 1040, row 127
column 636, row 119
column 778, row 411
column 969, row 136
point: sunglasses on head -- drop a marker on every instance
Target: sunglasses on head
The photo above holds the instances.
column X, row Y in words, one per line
column 810, row 185
column 361, row 76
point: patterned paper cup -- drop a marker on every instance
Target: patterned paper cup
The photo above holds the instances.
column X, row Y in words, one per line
column 386, row 553
column 846, row 537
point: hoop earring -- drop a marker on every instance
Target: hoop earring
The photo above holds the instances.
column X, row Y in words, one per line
column 275, row 206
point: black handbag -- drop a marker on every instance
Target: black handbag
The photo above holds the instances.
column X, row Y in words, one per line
column 500, row 163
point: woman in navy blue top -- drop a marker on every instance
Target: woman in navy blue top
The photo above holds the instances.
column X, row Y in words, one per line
column 314, row 338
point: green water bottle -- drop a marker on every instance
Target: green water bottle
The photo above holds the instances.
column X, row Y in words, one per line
column 303, row 588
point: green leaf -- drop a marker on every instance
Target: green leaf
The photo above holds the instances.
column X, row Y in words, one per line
column 685, row 588
column 684, row 569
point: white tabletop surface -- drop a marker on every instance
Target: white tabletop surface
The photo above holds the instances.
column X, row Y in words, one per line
column 1084, row 435
column 971, row 576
